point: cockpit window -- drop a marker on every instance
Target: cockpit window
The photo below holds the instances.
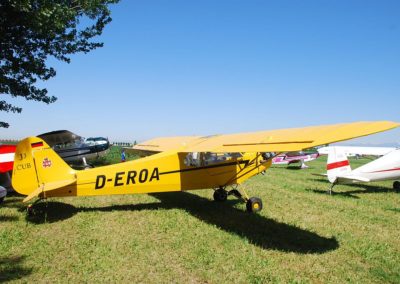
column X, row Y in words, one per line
column 197, row 159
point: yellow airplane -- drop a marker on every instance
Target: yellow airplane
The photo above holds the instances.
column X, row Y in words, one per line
column 181, row 163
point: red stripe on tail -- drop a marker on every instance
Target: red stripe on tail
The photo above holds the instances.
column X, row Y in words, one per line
column 336, row 165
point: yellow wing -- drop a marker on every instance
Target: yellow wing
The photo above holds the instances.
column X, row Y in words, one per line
column 162, row 144
column 282, row 140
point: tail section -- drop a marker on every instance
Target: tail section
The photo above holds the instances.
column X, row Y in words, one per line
column 37, row 169
column 337, row 164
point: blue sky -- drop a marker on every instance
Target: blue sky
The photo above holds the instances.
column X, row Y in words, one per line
column 204, row 67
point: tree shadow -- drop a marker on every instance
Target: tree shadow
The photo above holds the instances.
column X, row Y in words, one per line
column 397, row 210
column 258, row 230
column 8, row 218
column 11, row 268
column 14, row 201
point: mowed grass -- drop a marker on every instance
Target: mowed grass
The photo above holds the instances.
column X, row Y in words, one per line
column 302, row 235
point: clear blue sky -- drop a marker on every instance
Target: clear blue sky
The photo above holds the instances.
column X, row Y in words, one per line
column 205, row 67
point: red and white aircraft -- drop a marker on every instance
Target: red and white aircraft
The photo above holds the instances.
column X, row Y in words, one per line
column 386, row 167
column 6, row 165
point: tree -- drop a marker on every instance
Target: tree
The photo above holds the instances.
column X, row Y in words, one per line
column 31, row 31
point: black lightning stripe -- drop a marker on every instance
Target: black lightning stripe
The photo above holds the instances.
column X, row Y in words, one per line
column 246, row 162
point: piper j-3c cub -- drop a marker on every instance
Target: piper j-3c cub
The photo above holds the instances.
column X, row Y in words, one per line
column 181, row 163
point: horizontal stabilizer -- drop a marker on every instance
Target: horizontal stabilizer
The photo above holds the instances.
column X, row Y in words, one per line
column 347, row 179
column 48, row 187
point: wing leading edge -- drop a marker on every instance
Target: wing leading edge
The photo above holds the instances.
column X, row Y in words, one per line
column 282, row 140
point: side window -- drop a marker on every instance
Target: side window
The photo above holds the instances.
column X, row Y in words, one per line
column 193, row 159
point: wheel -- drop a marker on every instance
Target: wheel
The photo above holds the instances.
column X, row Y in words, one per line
column 396, row 185
column 254, row 204
column 220, row 195
column 29, row 210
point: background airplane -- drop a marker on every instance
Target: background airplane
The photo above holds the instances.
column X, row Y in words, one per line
column 294, row 157
column 6, row 165
column 339, row 170
column 75, row 149
column 351, row 151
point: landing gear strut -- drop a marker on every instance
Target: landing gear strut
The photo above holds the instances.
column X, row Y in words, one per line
column 253, row 204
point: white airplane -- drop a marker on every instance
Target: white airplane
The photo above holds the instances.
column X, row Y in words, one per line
column 339, row 171
column 351, row 151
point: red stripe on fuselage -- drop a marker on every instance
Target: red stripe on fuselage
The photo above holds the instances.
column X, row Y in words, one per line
column 390, row 170
column 336, row 165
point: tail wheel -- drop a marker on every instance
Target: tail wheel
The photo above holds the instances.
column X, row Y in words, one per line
column 254, row 204
column 396, row 185
column 220, row 195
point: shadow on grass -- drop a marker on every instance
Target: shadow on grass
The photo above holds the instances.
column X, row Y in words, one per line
column 334, row 193
column 397, row 210
column 50, row 212
column 362, row 189
column 8, row 218
column 258, row 230
column 11, row 268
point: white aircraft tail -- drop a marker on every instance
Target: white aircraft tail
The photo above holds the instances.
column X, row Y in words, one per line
column 337, row 164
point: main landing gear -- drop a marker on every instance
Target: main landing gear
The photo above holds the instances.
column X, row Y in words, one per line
column 253, row 204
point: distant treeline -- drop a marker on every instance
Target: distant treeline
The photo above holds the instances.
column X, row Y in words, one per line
column 124, row 144
column 9, row 141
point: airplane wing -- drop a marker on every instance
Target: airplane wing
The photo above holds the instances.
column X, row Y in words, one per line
column 161, row 145
column 355, row 150
column 59, row 137
column 285, row 140
column 282, row 140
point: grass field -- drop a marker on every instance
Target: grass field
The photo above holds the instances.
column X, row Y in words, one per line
column 302, row 235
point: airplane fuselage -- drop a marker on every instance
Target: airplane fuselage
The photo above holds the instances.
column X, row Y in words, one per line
column 162, row 172
column 386, row 167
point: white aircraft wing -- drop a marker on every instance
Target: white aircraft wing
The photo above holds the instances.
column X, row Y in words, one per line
column 354, row 150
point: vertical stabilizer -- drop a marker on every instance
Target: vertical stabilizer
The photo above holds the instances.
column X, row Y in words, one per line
column 337, row 164
column 37, row 169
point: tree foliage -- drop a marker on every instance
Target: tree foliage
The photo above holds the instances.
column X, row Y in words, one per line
column 31, row 31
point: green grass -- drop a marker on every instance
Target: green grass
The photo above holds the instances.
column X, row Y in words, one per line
column 303, row 235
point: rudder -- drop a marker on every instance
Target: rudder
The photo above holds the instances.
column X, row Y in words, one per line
column 337, row 164
column 37, row 168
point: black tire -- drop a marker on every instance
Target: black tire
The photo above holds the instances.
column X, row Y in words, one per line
column 220, row 195
column 396, row 185
column 254, row 204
